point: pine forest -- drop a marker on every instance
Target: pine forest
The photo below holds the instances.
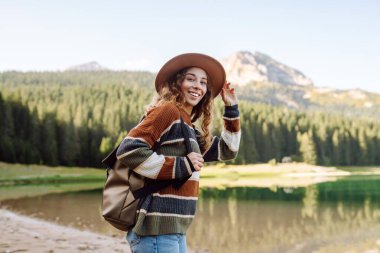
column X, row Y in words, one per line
column 75, row 118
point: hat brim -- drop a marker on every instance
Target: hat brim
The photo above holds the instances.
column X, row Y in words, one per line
column 211, row 66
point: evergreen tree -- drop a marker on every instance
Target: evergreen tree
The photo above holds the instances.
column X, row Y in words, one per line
column 49, row 149
column 307, row 148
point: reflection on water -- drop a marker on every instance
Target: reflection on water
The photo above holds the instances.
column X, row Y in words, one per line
column 76, row 209
column 317, row 218
column 328, row 217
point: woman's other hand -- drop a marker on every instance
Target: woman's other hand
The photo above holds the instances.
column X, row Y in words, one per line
column 228, row 95
column 197, row 160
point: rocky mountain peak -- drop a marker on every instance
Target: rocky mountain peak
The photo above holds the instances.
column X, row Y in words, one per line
column 88, row 66
column 243, row 67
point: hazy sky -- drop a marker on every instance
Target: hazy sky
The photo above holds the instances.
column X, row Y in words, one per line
column 335, row 43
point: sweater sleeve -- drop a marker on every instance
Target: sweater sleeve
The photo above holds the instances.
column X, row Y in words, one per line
column 226, row 146
column 136, row 150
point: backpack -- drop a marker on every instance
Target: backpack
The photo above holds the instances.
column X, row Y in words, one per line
column 124, row 189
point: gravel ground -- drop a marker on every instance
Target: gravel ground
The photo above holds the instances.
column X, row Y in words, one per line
column 24, row 234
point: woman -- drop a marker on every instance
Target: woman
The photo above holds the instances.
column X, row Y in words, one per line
column 186, row 86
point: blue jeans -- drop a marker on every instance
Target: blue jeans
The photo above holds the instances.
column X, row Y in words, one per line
column 170, row 243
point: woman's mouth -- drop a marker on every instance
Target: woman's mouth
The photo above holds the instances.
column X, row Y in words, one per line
column 194, row 94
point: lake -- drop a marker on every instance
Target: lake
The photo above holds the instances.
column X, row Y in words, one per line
column 340, row 216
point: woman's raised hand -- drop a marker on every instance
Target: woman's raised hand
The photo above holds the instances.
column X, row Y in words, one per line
column 197, row 160
column 228, row 95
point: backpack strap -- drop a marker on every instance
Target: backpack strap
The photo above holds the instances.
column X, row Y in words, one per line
column 178, row 183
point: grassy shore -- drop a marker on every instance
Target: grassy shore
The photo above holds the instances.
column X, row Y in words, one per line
column 266, row 175
column 21, row 174
column 20, row 180
column 219, row 175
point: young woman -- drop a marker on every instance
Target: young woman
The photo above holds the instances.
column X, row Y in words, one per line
column 186, row 86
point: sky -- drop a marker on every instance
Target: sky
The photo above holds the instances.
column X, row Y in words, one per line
column 335, row 43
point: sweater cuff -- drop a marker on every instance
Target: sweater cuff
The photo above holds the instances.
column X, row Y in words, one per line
column 231, row 111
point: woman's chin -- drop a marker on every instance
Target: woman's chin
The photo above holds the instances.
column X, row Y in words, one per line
column 193, row 103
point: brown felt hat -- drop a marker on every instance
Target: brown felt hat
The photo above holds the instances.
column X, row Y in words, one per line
column 213, row 68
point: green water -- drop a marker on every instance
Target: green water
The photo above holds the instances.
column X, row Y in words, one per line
column 340, row 216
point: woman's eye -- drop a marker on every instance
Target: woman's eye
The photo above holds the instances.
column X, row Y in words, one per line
column 204, row 83
column 190, row 79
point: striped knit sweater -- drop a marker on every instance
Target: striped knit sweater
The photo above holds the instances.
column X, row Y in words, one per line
column 170, row 210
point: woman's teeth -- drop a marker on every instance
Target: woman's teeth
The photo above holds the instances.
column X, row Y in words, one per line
column 194, row 94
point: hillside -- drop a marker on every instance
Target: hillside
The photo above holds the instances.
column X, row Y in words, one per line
column 348, row 103
column 244, row 67
column 265, row 80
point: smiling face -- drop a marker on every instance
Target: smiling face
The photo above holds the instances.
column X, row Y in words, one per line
column 194, row 87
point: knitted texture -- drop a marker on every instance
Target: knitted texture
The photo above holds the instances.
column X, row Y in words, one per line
column 172, row 210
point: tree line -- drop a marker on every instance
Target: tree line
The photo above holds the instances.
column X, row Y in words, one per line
column 76, row 118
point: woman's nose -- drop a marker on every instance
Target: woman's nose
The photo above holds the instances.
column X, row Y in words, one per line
column 197, row 84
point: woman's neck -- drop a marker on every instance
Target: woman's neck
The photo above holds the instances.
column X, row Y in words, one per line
column 188, row 108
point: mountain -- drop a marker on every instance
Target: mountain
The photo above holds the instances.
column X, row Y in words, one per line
column 88, row 66
column 244, row 67
column 264, row 80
